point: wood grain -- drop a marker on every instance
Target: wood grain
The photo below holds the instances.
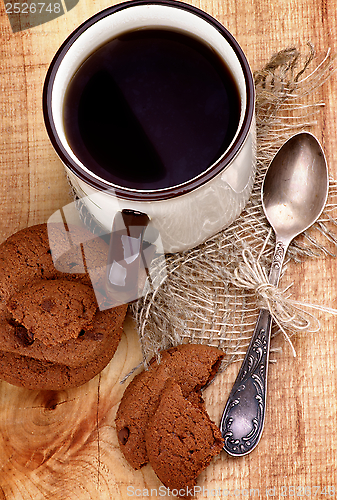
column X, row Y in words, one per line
column 62, row 446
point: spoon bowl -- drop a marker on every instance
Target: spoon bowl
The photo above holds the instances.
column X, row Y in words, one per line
column 295, row 187
column 294, row 193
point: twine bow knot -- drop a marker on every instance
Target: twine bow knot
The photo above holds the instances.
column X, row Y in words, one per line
column 287, row 313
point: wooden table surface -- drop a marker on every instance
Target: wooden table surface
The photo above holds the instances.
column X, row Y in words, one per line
column 50, row 450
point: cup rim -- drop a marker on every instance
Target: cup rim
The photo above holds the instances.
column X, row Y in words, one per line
column 150, row 195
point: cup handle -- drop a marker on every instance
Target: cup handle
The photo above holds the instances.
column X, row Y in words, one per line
column 127, row 269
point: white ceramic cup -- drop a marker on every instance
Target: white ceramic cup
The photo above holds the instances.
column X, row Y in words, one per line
column 187, row 214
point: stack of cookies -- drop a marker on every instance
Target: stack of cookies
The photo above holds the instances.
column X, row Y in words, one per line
column 52, row 333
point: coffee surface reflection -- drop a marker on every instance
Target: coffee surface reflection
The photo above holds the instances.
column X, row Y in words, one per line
column 151, row 109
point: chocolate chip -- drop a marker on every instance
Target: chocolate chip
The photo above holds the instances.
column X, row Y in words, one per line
column 47, row 305
column 91, row 335
column 23, row 335
column 96, row 335
column 123, row 435
column 13, row 322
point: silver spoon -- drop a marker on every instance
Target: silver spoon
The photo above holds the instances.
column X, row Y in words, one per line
column 294, row 193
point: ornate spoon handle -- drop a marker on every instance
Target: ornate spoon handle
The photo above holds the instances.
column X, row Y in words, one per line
column 243, row 417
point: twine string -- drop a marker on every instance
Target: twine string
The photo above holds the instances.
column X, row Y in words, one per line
column 286, row 313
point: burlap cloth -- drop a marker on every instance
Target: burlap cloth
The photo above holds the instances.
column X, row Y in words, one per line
column 212, row 294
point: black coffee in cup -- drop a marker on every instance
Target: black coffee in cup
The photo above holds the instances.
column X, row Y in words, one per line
column 151, row 109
